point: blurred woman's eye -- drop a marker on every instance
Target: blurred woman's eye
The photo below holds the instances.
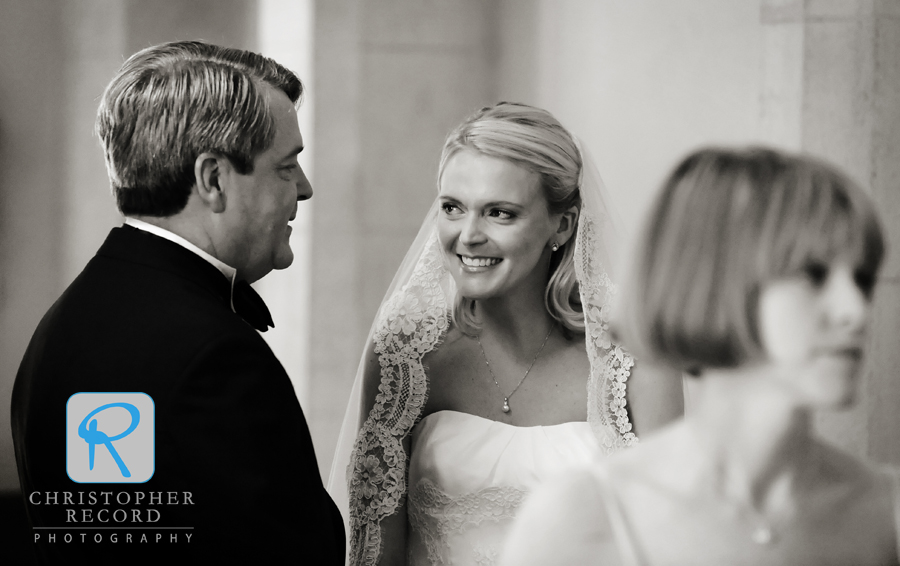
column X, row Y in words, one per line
column 816, row 273
column 502, row 214
column 865, row 280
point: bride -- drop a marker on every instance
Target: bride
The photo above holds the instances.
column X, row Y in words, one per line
column 489, row 366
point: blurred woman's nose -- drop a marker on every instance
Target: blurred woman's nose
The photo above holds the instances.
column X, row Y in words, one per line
column 848, row 304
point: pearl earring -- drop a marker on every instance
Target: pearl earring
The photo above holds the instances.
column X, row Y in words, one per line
column 555, row 246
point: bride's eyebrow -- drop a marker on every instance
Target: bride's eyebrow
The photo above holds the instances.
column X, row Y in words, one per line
column 504, row 204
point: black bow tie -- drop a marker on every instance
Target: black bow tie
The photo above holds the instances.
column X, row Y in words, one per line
column 250, row 306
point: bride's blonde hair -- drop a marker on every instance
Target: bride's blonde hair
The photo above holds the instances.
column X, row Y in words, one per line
column 533, row 139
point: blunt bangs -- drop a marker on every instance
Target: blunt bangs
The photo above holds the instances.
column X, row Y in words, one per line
column 726, row 223
column 826, row 217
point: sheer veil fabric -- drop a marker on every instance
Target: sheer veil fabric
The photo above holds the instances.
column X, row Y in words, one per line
column 368, row 476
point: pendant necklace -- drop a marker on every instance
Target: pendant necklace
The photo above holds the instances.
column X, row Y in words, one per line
column 762, row 531
column 505, row 407
column 763, row 535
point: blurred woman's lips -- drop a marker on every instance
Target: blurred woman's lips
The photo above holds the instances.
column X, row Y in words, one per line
column 850, row 351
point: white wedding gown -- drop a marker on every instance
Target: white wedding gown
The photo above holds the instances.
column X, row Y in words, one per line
column 468, row 476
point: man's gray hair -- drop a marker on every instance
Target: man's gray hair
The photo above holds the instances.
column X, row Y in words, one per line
column 170, row 103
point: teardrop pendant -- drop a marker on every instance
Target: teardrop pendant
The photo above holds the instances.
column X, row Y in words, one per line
column 762, row 535
column 506, row 404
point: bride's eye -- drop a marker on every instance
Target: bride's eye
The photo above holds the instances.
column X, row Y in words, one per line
column 502, row 214
column 449, row 208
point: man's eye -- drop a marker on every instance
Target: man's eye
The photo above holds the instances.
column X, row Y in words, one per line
column 287, row 171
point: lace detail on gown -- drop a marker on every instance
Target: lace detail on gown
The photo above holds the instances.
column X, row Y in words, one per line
column 610, row 363
column 436, row 515
column 410, row 324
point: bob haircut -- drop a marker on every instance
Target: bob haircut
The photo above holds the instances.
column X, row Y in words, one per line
column 534, row 140
column 170, row 103
column 725, row 223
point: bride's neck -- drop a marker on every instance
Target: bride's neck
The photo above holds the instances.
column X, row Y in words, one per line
column 517, row 323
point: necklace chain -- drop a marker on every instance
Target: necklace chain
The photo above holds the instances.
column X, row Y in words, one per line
column 505, row 407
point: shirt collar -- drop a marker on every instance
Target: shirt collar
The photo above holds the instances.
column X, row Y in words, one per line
column 226, row 270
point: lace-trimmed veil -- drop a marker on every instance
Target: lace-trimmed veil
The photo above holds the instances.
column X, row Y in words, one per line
column 368, row 477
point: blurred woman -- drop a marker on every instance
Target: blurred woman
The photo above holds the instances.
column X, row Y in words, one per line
column 755, row 275
column 489, row 366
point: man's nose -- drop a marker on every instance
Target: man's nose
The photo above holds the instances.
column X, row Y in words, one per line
column 304, row 189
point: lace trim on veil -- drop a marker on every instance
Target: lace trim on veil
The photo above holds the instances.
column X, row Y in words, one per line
column 411, row 324
column 610, row 363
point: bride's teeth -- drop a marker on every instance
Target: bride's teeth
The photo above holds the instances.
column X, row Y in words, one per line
column 479, row 261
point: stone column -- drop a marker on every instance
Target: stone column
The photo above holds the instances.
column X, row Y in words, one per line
column 832, row 88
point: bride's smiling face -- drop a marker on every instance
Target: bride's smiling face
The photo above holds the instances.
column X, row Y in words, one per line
column 494, row 226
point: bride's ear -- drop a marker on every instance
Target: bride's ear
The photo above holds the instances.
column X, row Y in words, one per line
column 568, row 221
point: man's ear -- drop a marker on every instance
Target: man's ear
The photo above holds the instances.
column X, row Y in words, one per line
column 209, row 171
column 568, row 220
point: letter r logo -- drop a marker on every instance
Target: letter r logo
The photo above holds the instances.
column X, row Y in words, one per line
column 110, row 437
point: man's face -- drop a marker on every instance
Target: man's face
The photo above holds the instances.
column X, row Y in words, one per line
column 261, row 204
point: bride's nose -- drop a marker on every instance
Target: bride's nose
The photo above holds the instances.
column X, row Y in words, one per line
column 471, row 233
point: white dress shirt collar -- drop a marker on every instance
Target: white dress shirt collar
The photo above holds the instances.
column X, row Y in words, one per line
column 228, row 271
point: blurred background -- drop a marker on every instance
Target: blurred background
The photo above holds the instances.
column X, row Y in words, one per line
column 641, row 83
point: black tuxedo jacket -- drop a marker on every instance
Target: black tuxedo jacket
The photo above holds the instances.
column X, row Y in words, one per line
column 147, row 315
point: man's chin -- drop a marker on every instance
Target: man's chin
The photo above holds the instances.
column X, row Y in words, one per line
column 284, row 260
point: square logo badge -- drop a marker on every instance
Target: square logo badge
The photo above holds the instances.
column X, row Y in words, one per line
column 110, row 437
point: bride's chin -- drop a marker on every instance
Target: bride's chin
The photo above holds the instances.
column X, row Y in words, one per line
column 475, row 294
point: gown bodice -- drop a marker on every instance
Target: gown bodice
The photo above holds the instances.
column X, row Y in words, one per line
column 468, row 475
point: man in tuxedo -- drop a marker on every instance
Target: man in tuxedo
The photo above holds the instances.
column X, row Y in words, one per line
column 201, row 145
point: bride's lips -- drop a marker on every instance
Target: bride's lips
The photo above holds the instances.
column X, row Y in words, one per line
column 477, row 263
